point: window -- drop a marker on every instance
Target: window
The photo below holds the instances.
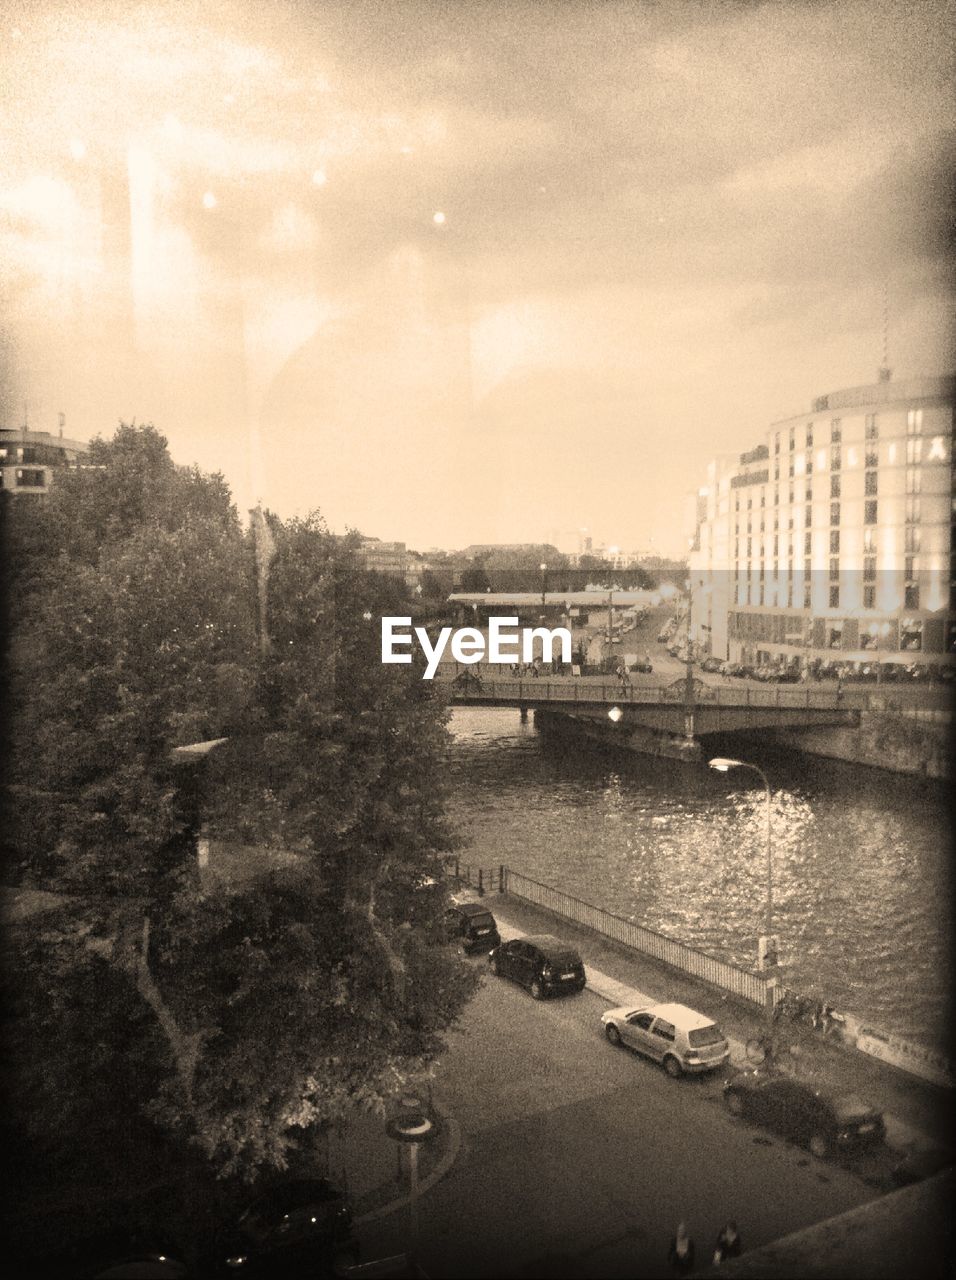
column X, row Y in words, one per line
column 806, row 543
column 871, row 458
column 25, row 478
column 776, row 443
column 808, row 516
column 911, row 596
column 912, row 510
column 869, row 511
column 911, row 634
column 912, row 539
column 914, row 422
column 869, row 568
column 834, row 569
column 776, row 545
column 834, row 513
column 834, row 486
column 869, row 597
column 749, row 548
column 806, row 595
column 776, row 497
column 790, row 469
column 910, row 568
column 913, row 479
column 835, row 457
column 808, row 493
column 914, row 449
column 664, row 1029
column 809, row 433
column 869, row 483
column 872, row 428
column 793, row 438
column 835, row 604
column 834, row 542
column 791, row 495
column 776, row 471
column 836, row 433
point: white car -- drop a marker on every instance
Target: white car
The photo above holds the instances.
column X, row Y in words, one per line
column 681, row 1039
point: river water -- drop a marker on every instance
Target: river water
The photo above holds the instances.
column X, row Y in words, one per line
column 861, row 858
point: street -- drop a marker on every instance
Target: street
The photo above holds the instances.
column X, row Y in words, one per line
column 580, row 1159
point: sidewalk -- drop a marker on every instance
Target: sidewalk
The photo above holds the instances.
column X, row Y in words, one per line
column 918, row 1114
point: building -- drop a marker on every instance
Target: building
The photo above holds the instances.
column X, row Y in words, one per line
column 833, row 539
column 30, row 459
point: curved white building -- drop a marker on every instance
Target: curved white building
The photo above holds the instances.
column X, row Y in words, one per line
column 834, row 539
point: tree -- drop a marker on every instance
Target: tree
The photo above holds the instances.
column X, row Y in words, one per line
column 261, row 1007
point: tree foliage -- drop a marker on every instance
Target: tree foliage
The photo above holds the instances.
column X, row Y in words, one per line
column 265, row 1004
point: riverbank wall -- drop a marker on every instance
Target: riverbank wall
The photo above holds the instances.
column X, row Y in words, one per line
column 758, row 990
column 919, row 743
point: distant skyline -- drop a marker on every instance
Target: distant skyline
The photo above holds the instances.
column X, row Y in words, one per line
column 461, row 273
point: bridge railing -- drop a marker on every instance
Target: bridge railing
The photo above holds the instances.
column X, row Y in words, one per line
column 574, row 690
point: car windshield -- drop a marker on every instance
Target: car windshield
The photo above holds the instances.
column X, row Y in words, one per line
column 850, row 1107
column 483, row 921
column 701, row 1036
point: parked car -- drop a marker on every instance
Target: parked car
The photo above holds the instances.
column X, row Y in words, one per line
column 712, row 664
column 472, row 926
column 298, row 1226
column 803, row 1114
column 681, row 1039
column 643, row 666
column 542, row 963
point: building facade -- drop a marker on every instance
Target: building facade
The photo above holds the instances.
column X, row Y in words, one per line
column 29, row 461
column 834, row 538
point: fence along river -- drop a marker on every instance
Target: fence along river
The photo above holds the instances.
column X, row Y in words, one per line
column 862, row 867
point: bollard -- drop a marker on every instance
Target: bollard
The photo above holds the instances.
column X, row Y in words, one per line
column 501, row 877
column 481, row 887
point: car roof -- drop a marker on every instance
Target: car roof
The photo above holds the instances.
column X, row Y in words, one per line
column 472, row 908
column 549, row 944
column 681, row 1016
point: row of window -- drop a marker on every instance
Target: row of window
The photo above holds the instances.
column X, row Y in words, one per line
column 24, row 478
column 747, row 593
column 914, row 426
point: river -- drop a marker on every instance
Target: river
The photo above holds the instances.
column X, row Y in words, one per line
column 861, row 857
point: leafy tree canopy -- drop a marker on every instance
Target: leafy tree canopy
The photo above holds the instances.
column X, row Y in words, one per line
column 279, row 1002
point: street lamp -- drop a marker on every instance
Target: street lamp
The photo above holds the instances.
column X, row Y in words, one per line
column 766, row 946
column 544, row 579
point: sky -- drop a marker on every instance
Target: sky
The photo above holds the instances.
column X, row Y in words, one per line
column 469, row 272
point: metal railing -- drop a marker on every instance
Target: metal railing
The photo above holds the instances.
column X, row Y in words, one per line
column 572, row 689
column 670, row 951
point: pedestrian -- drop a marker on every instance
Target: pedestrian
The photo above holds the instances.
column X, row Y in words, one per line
column 680, row 1255
column 728, row 1243
column 535, row 668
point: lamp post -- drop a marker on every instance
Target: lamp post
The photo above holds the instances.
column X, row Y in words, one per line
column 544, row 580
column 766, row 946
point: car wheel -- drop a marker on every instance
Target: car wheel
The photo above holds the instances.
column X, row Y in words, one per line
column 820, row 1146
column 735, row 1104
column 673, row 1067
column 537, row 990
column 612, row 1033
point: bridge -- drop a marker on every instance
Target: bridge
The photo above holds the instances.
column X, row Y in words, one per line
column 663, row 718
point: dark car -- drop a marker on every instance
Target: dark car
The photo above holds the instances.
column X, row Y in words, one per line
column 712, row 664
column 642, row 665
column 472, row 926
column 299, row 1226
column 804, row 1115
column 542, row 963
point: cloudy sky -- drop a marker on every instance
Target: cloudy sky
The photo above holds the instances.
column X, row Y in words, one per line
column 469, row 272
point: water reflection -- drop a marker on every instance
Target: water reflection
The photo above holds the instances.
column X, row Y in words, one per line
column 862, row 900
